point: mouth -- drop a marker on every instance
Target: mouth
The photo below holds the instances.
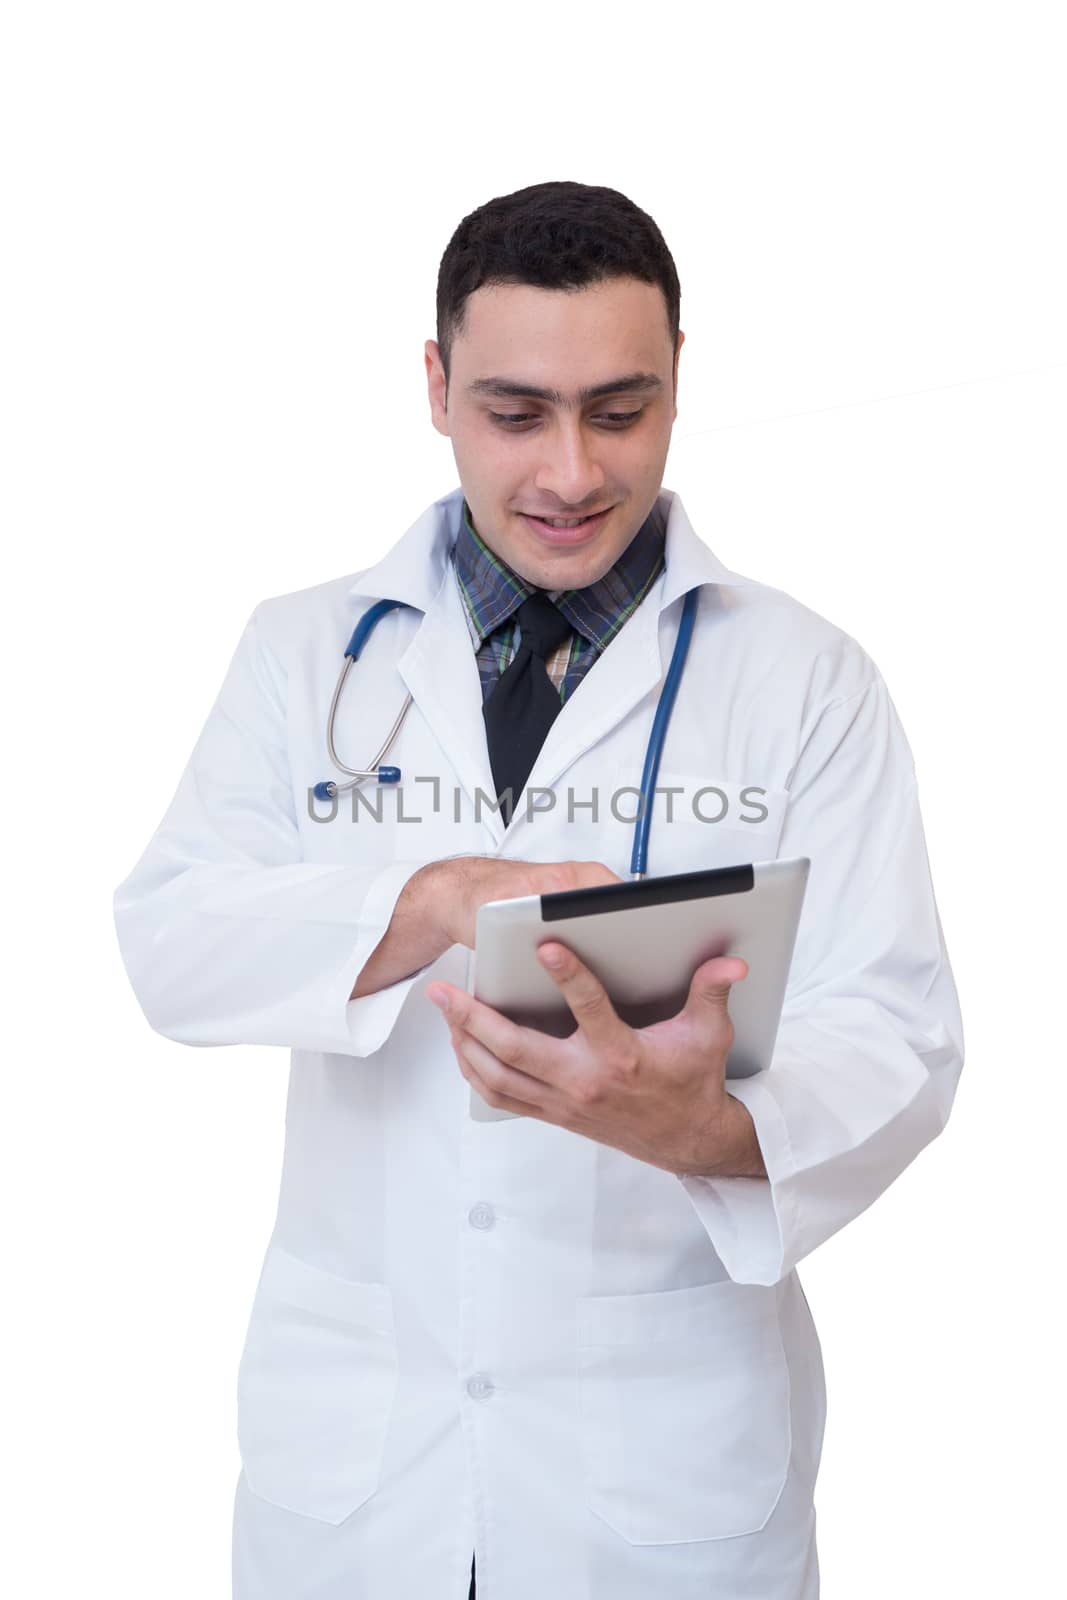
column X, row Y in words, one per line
column 566, row 530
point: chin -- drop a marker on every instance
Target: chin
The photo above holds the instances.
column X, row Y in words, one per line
column 575, row 578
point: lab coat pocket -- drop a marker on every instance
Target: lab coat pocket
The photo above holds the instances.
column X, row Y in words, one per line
column 685, row 1411
column 315, row 1388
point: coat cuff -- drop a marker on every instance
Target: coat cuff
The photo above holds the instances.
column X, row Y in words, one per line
column 749, row 1220
column 366, row 1023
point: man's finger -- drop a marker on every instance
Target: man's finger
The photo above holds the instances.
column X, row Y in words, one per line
column 489, row 1075
column 709, row 990
column 583, row 992
column 522, row 1049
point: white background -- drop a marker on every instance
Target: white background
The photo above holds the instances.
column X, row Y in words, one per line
column 223, row 226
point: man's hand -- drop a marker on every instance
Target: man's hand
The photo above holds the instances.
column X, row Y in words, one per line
column 438, row 907
column 460, row 884
column 657, row 1093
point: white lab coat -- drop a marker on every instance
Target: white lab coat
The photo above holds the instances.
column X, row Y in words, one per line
column 503, row 1335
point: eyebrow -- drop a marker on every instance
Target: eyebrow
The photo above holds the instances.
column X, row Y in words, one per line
column 513, row 389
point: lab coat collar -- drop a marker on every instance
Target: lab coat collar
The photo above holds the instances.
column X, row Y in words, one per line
column 413, row 570
column 439, row 669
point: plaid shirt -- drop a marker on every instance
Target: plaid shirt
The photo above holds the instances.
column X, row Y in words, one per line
column 492, row 593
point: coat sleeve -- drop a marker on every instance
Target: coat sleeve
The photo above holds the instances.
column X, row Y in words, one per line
column 870, row 1046
column 228, row 936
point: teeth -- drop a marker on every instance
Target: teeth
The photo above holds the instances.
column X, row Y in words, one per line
column 564, row 522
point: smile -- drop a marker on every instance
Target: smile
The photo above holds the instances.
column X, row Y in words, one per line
column 566, row 530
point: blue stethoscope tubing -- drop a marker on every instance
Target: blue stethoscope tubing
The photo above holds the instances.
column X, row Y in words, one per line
column 656, row 739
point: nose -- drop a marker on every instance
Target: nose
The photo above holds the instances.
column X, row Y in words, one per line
column 568, row 471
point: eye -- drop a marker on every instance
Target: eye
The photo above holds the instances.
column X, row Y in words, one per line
column 514, row 419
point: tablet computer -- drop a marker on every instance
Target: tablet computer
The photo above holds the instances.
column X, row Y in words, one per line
column 644, row 939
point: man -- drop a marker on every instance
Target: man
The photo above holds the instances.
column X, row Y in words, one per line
column 574, row 1342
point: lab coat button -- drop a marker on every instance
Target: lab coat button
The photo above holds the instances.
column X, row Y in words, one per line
column 481, row 1215
column 479, row 1387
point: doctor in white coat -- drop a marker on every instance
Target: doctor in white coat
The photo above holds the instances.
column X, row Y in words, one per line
column 573, row 1343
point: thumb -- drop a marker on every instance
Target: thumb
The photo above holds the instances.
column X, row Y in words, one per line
column 712, row 981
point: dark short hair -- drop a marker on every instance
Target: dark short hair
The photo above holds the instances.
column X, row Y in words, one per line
column 554, row 236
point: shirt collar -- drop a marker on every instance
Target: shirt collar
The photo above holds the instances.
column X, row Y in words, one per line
column 492, row 591
column 414, row 571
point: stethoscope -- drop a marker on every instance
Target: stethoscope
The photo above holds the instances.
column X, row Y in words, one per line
column 328, row 790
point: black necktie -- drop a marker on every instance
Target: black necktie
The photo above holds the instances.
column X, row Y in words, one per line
column 524, row 702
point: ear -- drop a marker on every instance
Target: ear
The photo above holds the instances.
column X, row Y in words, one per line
column 677, row 353
column 436, row 386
